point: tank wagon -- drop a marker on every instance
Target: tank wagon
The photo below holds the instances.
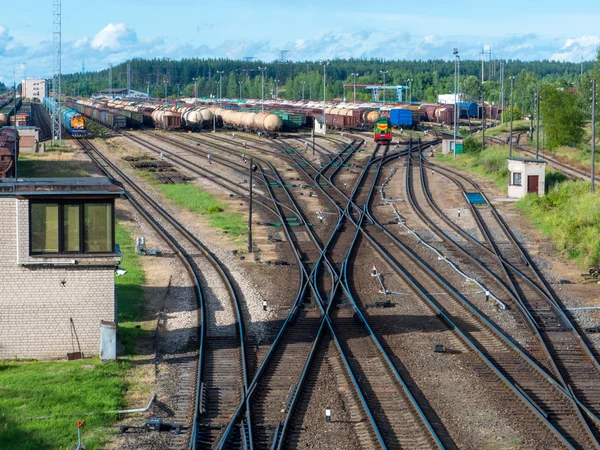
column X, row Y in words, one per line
column 8, row 152
column 263, row 121
column 9, row 110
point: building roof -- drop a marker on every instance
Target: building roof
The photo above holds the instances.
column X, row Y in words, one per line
column 531, row 160
column 88, row 186
column 113, row 91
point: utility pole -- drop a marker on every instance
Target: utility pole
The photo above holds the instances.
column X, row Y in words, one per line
column 220, row 72
column 593, row 134
column 502, row 89
column 482, row 118
column 195, row 90
column 110, row 81
column 537, row 121
column 310, row 90
column 354, row 93
column 512, row 80
column 455, row 53
column 57, row 72
column 482, row 61
column 324, row 63
column 384, row 72
column 240, row 83
column 128, row 79
column 262, row 70
column 250, row 211
column 303, row 84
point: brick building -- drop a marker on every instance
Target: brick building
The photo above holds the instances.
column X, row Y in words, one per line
column 57, row 265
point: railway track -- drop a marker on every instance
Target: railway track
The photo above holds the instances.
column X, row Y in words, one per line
column 571, row 359
column 41, row 121
column 216, row 380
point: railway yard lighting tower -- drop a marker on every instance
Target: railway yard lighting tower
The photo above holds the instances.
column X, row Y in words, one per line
column 178, row 90
column 384, row 72
column 310, row 90
column 240, row 83
column 409, row 82
column 262, row 70
column 276, row 88
column 354, row 92
column 195, row 80
column 303, row 84
column 593, row 135
column 324, row 64
column 512, row 96
column 166, row 87
column 220, row 72
column 148, row 89
column 455, row 53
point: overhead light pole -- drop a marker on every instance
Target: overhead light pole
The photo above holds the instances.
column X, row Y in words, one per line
column 240, row 83
column 512, row 96
column 310, row 90
column 220, row 72
column 324, row 64
column 384, row 72
column 537, row 121
column 593, row 135
column 354, row 93
column 409, row 82
column 195, row 90
column 166, row 88
column 262, row 70
column 276, row 88
column 303, row 84
column 455, row 53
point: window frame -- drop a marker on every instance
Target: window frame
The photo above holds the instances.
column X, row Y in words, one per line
column 520, row 174
column 62, row 202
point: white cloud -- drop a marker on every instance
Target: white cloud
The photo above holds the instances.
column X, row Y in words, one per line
column 113, row 37
column 574, row 49
column 81, row 42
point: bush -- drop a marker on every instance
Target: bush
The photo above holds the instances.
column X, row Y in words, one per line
column 471, row 145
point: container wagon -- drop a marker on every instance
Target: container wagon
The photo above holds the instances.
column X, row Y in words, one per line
column 401, row 118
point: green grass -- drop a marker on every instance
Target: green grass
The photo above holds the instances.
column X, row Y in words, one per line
column 570, row 216
column 51, row 164
column 518, row 125
column 490, row 163
column 208, row 206
column 31, row 389
column 130, row 295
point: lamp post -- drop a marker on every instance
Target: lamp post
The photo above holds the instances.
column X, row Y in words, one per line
column 262, row 70
column 593, row 134
column 166, row 84
column 512, row 82
column 148, row 89
column 354, row 93
column 303, row 84
column 178, row 90
column 276, row 88
column 220, row 72
column 310, row 90
column 409, row 82
column 455, row 53
column 324, row 64
column 240, row 83
column 195, row 90
column 537, row 121
column 384, row 72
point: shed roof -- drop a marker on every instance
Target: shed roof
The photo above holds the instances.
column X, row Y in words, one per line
column 532, row 160
column 88, row 186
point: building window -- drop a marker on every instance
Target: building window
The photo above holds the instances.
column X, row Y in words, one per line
column 516, row 178
column 63, row 227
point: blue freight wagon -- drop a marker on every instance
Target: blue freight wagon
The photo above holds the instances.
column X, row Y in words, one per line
column 401, row 117
column 469, row 109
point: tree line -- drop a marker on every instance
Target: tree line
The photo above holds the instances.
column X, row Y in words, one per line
column 564, row 86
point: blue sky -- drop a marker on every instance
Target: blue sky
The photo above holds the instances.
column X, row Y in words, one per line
column 113, row 31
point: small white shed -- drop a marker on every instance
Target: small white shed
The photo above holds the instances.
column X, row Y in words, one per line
column 527, row 175
column 319, row 126
column 448, row 145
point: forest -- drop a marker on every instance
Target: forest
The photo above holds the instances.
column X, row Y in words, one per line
column 296, row 80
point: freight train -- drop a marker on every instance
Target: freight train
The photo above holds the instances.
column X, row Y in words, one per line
column 73, row 121
column 383, row 131
column 8, row 110
column 8, row 152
